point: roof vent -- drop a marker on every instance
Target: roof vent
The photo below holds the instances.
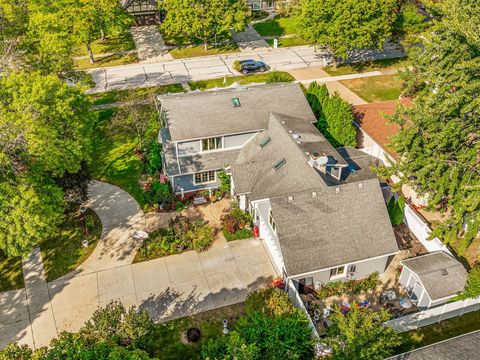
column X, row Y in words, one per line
column 307, row 153
column 296, row 136
column 299, row 141
column 360, row 186
column 284, row 122
column 337, row 190
column 279, row 164
column 314, row 194
column 290, row 131
column 236, row 102
column 444, row 272
column 290, row 198
column 265, row 142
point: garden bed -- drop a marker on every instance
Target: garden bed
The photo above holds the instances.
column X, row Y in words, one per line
column 236, row 224
column 64, row 251
column 180, row 235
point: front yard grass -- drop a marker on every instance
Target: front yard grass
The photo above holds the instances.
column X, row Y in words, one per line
column 199, row 50
column 11, row 275
column 114, row 160
column 110, row 97
column 119, row 43
column 442, row 331
column 167, row 344
column 271, row 77
column 109, row 60
column 278, row 26
column 376, row 65
column 289, row 41
column 375, row 88
column 64, row 252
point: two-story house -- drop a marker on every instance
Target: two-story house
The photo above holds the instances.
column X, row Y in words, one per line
column 320, row 210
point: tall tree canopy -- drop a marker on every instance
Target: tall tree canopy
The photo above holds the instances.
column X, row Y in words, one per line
column 359, row 335
column 439, row 140
column 45, row 127
column 342, row 26
column 204, row 19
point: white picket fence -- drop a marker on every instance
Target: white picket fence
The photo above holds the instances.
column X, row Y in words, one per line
column 297, row 301
column 434, row 315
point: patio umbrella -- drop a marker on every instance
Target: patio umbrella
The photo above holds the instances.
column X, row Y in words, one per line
column 405, row 303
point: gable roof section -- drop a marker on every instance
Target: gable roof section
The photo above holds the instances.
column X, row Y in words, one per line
column 429, row 269
column 463, row 347
column 339, row 225
column 206, row 114
column 371, row 119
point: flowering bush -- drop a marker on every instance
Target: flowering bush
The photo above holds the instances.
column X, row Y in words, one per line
column 236, row 224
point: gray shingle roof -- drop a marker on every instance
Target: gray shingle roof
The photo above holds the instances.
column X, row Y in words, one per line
column 429, row 269
column 463, row 347
column 204, row 114
column 339, row 225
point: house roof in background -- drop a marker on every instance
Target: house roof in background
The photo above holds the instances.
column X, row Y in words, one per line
column 430, row 269
column 337, row 225
column 463, row 347
column 126, row 3
column 211, row 113
column 371, row 119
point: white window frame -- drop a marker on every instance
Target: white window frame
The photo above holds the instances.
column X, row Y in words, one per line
column 336, row 274
column 200, row 173
column 220, row 147
column 271, row 221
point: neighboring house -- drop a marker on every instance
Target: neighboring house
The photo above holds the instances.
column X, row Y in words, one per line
column 374, row 136
column 265, row 5
column 432, row 279
column 463, row 347
column 145, row 12
column 320, row 210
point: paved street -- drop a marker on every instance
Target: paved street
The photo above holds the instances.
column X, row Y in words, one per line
column 210, row 67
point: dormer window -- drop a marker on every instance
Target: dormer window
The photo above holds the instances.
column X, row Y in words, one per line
column 211, row 144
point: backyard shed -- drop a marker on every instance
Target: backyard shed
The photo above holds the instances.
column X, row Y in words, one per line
column 432, row 279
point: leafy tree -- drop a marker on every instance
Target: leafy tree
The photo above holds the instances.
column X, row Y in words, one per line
column 92, row 18
column 17, row 352
column 119, row 325
column 439, row 142
column 204, row 19
column 225, row 182
column 343, row 26
column 75, row 185
column 409, row 20
column 232, row 347
column 472, row 288
column 45, row 126
column 360, row 335
column 395, row 210
column 133, row 117
column 334, row 116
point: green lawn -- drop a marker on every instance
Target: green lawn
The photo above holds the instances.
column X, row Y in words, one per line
column 277, row 26
column 64, row 252
column 377, row 65
column 275, row 76
column 199, row 50
column 122, row 42
column 167, row 343
column 11, row 275
column 114, row 159
column 110, row 60
column 375, row 88
column 290, row 41
column 442, row 331
column 114, row 96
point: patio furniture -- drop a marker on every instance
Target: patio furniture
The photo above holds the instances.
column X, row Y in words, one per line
column 388, row 296
column 199, row 200
column 405, row 303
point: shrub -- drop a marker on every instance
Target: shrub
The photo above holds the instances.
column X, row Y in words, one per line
column 236, row 224
column 334, row 116
column 225, row 182
column 202, row 237
column 409, row 20
column 237, row 66
column 277, row 76
column 272, row 301
column 395, row 210
column 335, row 288
column 153, row 157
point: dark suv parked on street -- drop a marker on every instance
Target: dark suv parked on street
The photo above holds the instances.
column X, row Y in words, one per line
column 251, row 66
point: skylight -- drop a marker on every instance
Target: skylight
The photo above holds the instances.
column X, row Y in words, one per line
column 265, row 142
column 279, row 164
column 236, row 102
